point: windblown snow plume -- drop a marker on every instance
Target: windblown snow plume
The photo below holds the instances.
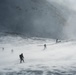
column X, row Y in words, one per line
column 43, row 18
column 69, row 28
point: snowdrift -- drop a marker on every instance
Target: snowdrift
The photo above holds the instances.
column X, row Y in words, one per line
column 57, row 58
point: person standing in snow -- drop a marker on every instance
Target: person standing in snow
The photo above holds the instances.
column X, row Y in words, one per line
column 56, row 40
column 12, row 50
column 21, row 57
column 3, row 49
column 44, row 46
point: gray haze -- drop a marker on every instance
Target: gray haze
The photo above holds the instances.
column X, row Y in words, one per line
column 39, row 18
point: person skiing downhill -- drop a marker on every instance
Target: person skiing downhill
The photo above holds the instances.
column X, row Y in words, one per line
column 21, row 57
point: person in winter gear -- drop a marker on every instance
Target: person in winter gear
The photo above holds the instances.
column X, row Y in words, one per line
column 21, row 57
column 44, row 46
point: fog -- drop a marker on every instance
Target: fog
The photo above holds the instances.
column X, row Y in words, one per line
column 69, row 28
column 38, row 18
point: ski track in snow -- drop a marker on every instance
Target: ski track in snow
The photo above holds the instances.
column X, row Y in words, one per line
column 56, row 59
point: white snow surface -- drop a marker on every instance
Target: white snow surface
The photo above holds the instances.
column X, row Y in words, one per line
column 57, row 56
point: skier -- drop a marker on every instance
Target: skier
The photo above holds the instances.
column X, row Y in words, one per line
column 44, row 46
column 21, row 57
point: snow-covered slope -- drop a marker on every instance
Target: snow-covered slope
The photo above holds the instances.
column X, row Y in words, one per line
column 56, row 59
